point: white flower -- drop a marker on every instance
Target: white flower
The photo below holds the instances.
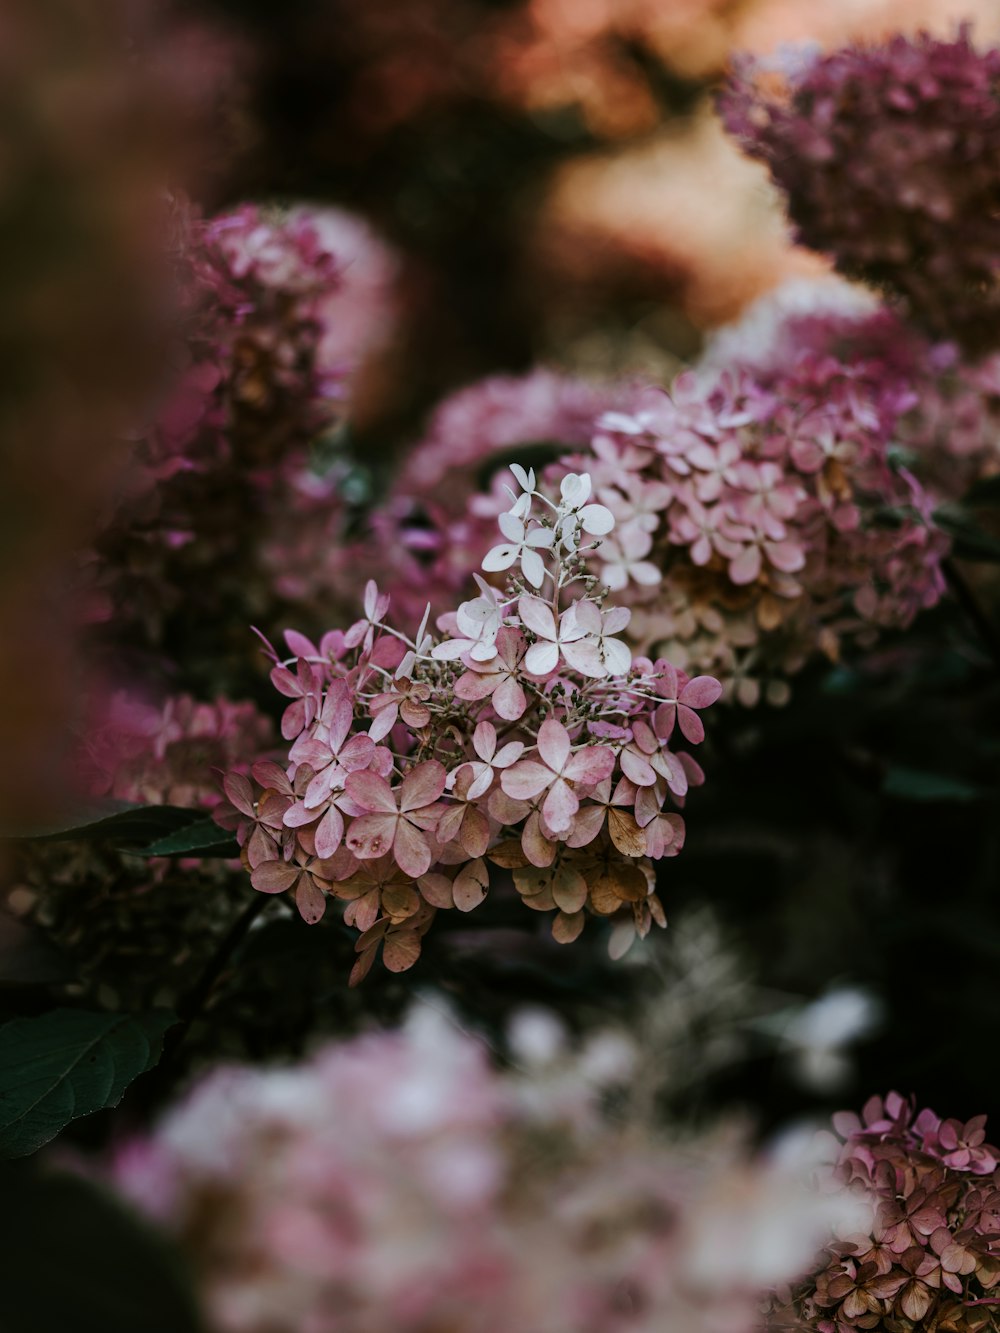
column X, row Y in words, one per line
column 479, row 620
column 576, row 515
column 622, row 557
column 521, row 545
column 597, row 654
column 552, row 635
column 521, row 507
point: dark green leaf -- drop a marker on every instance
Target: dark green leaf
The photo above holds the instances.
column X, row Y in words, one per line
column 66, row 1064
column 76, row 1260
column 120, row 821
column 202, row 838
column 913, row 784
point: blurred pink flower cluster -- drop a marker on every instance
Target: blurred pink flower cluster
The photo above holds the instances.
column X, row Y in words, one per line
column 398, row 1182
column 932, row 1255
column 168, row 754
column 527, row 737
column 888, row 158
column 223, row 493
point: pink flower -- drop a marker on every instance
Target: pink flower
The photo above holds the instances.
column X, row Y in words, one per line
column 560, row 771
column 498, row 680
column 701, row 692
column 399, row 828
column 484, row 742
column 624, row 560
column 598, row 654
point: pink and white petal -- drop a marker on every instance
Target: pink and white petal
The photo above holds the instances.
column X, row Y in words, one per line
column 508, row 754
column 537, row 616
column 701, row 692
column 371, row 792
column 691, row 724
column 645, row 573
column 298, row 815
column 664, row 719
column 615, row 619
column 383, row 723
column 329, row 833
column 373, row 835
column 500, row 557
column 590, row 765
column 586, row 826
column 270, row 774
column 476, row 685
column 745, row 567
column 553, row 744
column 423, row 785
column 411, row 850
column 636, row 768
column 525, row 779
column 356, row 754
column 484, row 740
column 786, row 556
column 560, row 806
column 617, row 657
column 512, row 527
column 532, row 567
column 509, row 700
column 275, row 876
column 541, row 658
column 450, row 823
column 481, row 783
column 450, row 650
column 585, row 656
column 597, row 520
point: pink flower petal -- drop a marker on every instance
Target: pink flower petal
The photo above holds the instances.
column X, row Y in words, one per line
column 371, row 792
column 423, row 785
column 553, row 744
column 590, row 765
column 701, row 692
column 509, row 700
column 310, row 900
column 691, row 724
column 525, row 780
column 373, row 835
column 329, row 833
column 541, row 659
column 537, row 616
column 240, row 792
column 560, row 806
column 411, row 850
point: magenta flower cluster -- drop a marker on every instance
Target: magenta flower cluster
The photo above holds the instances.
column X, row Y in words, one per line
column 888, row 157
column 931, row 1257
column 222, row 471
column 527, row 738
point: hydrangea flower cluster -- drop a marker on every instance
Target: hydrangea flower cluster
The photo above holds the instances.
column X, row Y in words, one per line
column 760, row 519
column 888, row 158
column 397, row 1181
column 168, row 754
column 932, row 1255
column 222, row 473
column 527, row 737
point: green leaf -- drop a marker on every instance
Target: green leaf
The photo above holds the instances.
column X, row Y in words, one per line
column 914, row 784
column 202, row 838
column 969, row 540
column 66, row 1064
column 120, row 821
column 76, row 1260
